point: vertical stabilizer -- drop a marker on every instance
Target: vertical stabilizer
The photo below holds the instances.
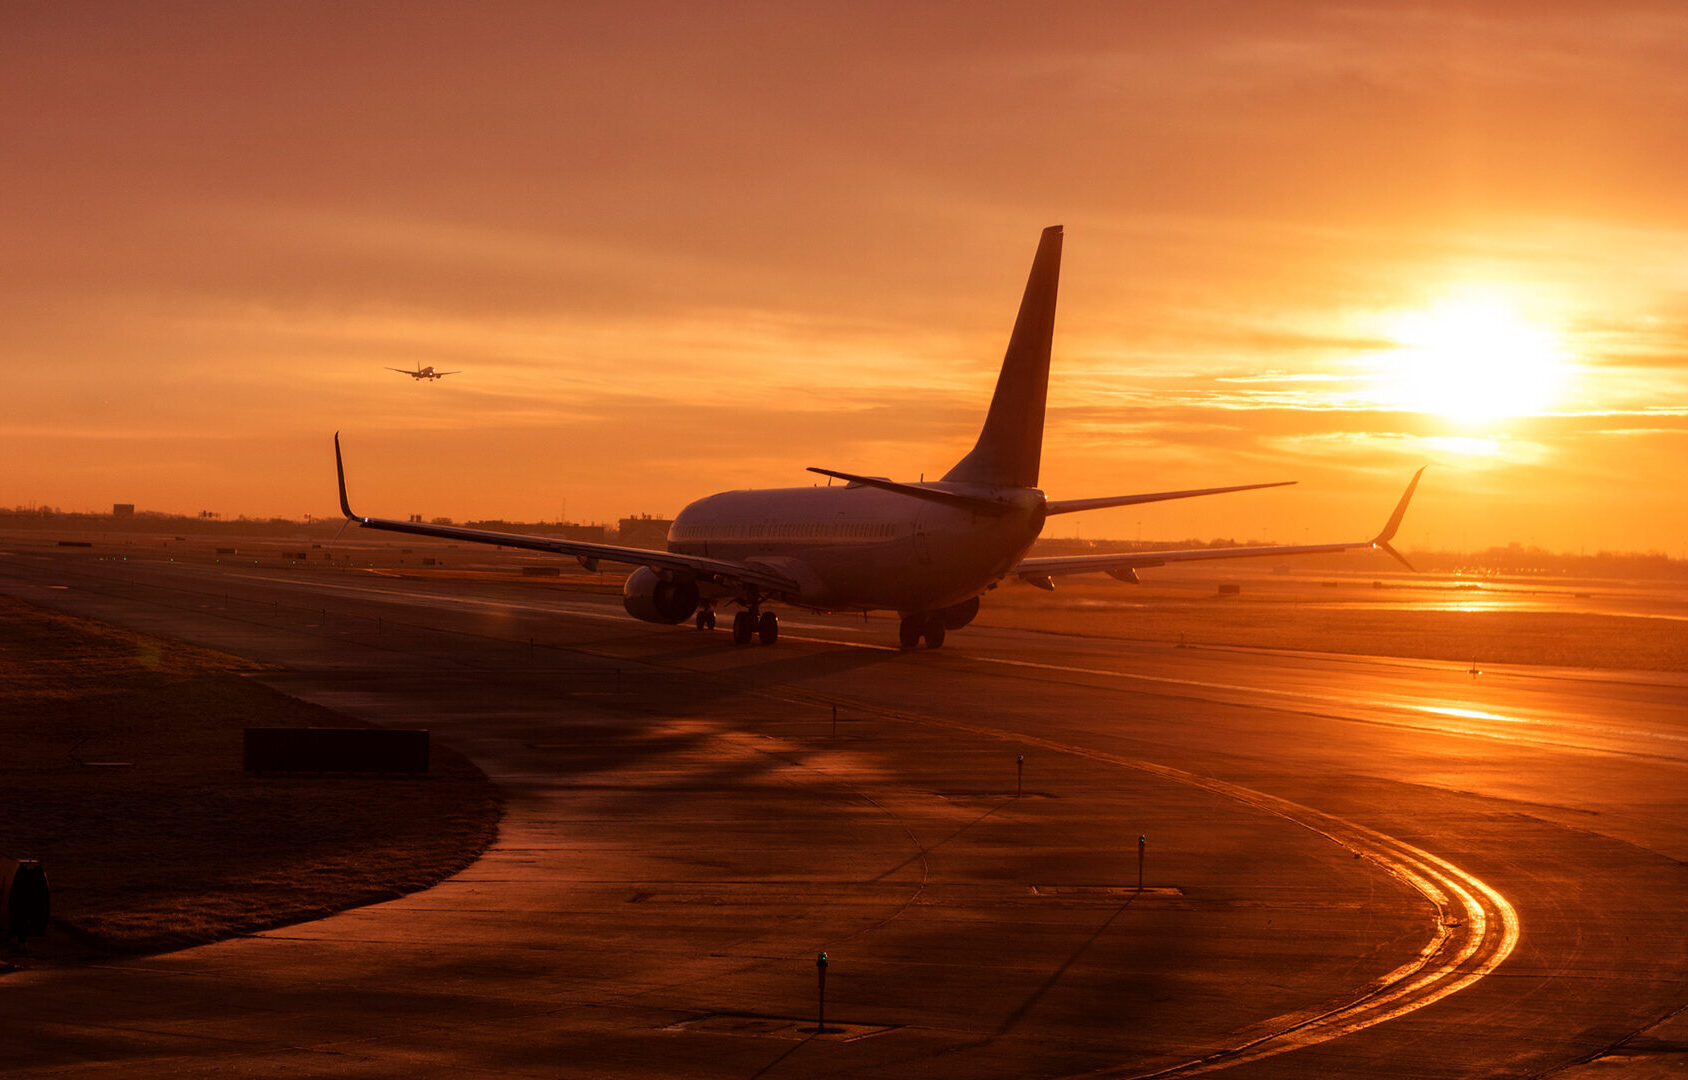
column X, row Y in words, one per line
column 1011, row 445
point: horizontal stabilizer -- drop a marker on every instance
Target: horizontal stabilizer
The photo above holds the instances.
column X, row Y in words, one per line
column 1069, row 506
column 977, row 504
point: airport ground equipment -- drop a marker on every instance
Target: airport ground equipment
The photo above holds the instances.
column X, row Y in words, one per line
column 25, row 901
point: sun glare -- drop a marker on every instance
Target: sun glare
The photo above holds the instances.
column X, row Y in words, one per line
column 1470, row 358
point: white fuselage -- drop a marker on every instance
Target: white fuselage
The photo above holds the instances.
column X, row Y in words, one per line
column 860, row 547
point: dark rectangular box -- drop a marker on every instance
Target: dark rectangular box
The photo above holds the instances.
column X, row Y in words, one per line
column 378, row 750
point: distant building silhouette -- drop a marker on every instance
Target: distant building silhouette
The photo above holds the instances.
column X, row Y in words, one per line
column 561, row 530
column 644, row 531
column 591, row 534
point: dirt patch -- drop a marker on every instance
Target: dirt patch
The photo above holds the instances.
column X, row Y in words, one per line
column 122, row 773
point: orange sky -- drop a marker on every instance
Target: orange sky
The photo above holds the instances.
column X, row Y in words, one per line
column 677, row 248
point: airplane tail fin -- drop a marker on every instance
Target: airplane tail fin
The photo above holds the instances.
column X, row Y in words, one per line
column 1010, row 447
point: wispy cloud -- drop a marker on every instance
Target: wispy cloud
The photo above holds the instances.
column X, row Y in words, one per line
column 675, row 249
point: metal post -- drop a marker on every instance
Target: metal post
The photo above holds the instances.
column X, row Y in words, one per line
column 820, row 969
column 1019, row 774
column 835, row 721
column 1142, row 843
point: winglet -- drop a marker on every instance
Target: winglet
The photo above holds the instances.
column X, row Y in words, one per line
column 1381, row 540
column 340, row 468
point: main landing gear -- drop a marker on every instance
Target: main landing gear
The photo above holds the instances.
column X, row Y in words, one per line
column 914, row 627
column 763, row 626
column 751, row 624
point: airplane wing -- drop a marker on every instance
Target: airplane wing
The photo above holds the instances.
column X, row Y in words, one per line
column 403, row 370
column 1124, row 565
column 722, row 571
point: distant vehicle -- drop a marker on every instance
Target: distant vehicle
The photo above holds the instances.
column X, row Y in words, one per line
column 926, row 550
column 423, row 372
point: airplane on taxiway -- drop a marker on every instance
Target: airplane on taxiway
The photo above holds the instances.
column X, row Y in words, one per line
column 421, row 372
column 925, row 550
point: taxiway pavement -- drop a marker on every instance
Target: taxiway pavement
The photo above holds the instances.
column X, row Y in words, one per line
column 1354, row 866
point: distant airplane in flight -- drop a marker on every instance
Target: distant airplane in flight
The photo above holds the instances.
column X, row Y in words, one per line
column 925, row 550
column 423, row 372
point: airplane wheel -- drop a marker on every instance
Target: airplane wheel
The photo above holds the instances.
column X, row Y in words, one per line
column 908, row 634
column 935, row 633
column 768, row 629
column 743, row 628
column 705, row 619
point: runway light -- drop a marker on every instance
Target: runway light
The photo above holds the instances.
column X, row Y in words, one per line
column 820, row 969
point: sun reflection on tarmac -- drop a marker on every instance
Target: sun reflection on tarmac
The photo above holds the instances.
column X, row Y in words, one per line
column 1469, row 714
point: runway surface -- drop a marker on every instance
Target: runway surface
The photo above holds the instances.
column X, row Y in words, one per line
column 1352, row 866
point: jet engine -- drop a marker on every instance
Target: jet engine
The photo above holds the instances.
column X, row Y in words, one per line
column 960, row 615
column 647, row 596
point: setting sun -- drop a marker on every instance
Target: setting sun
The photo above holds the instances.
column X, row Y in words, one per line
column 695, row 251
column 1471, row 358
